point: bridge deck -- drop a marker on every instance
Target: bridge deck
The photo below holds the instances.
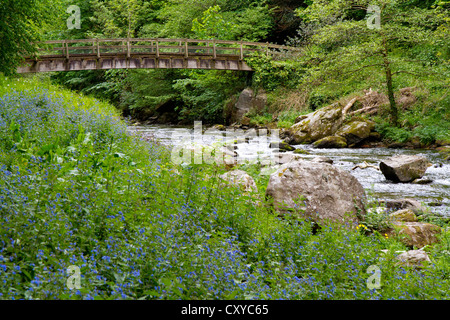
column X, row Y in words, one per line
column 103, row 54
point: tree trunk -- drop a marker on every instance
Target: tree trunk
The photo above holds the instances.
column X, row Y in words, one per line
column 387, row 67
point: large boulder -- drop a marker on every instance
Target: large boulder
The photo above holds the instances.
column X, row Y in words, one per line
column 316, row 190
column 415, row 234
column 248, row 101
column 317, row 125
column 241, row 179
column 356, row 131
column 404, row 168
column 330, row 142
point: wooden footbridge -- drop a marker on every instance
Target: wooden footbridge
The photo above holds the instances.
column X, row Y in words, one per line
column 104, row 54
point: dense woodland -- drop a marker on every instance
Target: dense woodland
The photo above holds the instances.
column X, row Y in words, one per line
column 77, row 190
column 340, row 56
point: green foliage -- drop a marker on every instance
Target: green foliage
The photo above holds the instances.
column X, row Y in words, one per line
column 147, row 89
column 427, row 120
column 203, row 94
column 271, row 74
column 212, row 25
column 251, row 24
column 286, row 118
column 255, row 23
column 343, row 48
column 118, row 18
column 21, row 22
column 177, row 16
column 393, row 133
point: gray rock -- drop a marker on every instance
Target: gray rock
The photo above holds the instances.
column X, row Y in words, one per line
column 248, row 101
column 407, row 203
column 322, row 159
column 422, row 181
column 316, row 190
column 413, row 258
column 286, row 158
column 301, row 151
column 241, row 179
column 300, row 118
column 404, row 168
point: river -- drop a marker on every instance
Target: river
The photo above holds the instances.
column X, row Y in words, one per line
column 435, row 194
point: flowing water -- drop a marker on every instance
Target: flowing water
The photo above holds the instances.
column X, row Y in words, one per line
column 435, row 194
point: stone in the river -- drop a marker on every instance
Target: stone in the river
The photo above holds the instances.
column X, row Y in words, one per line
column 356, row 131
column 316, row 190
column 406, row 203
column 317, row 125
column 300, row 118
column 283, row 146
column 322, row 159
column 330, row 142
column 404, row 168
column 301, row 151
column 284, row 158
column 422, row 181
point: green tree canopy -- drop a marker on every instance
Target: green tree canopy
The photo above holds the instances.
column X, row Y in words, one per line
column 345, row 46
column 21, row 25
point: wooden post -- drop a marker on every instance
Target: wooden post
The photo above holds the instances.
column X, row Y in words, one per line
column 214, row 49
column 98, row 49
column 186, row 48
column 93, row 46
column 157, row 48
column 242, row 51
column 128, row 48
column 67, row 49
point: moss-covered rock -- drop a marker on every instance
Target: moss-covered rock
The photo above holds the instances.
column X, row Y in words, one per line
column 405, row 215
column 317, row 125
column 356, row 131
column 301, row 151
column 445, row 151
column 415, row 234
column 330, row 142
column 283, row 146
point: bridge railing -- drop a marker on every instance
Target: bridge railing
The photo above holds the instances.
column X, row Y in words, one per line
column 159, row 46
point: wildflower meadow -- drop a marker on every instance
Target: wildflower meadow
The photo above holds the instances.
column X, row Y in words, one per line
column 77, row 190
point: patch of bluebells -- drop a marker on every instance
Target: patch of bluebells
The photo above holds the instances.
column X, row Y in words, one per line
column 44, row 116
